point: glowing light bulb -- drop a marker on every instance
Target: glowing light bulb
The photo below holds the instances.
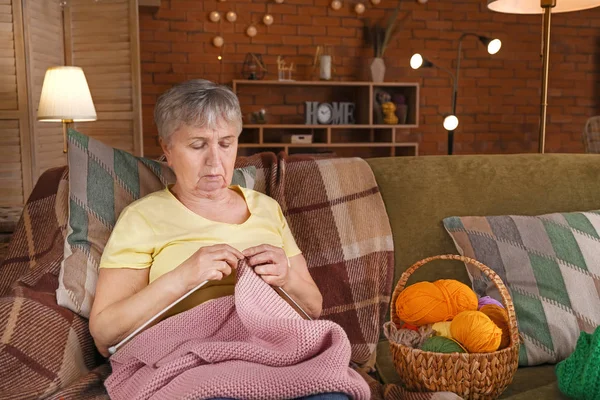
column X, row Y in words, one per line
column 450, row 122
column 494, row 46
column 416, row 61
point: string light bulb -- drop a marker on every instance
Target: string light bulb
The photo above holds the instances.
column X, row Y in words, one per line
column 218, row 41
column 231, row 16
column 359, row 8
column 214, row 16
column 336, row 4
column 251, row 31
column 268, row 19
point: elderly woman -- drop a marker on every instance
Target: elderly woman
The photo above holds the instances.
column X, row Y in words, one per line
column 169, row 241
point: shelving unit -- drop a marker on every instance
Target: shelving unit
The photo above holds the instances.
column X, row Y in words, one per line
column 284, row 102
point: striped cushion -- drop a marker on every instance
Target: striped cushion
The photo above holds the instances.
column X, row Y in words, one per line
column 551, row 265
column 103, row 181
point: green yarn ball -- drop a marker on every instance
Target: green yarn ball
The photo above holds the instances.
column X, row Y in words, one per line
column 440, row 344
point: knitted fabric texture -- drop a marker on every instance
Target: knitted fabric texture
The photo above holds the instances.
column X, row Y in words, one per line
column 251, row 345
column 579, row 374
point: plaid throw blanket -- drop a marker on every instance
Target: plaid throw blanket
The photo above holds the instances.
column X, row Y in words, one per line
column 336, row 215
column 251, row 345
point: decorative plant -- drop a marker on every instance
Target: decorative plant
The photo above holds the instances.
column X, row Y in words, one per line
column 379, row 36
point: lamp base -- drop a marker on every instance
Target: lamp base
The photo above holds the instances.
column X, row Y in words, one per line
column 66, row 124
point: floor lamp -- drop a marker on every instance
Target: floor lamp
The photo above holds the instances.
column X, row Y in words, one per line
column 417, row 61
column 547, row 7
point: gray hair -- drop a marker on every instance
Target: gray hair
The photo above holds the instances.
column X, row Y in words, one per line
column 199, row 103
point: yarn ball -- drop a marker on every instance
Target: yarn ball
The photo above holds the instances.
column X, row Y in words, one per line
column 407, row 337
column 439, row 344
column 486, row 300
column 499, row 316
column 443, row 329
column 427, row 303
column 578, row 376
column 476, row 332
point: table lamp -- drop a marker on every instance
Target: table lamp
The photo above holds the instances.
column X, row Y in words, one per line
column 546, row 7
column 65, row 98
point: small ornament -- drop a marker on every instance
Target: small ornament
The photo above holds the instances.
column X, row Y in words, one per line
column 284, row 71
column 375, row 1
column 214, row 16
column 254, row 67
column 231, row 16
column 268, row 19
column 218, row 41
column 359, row 8
column 389, row 110
column 251, row 31
column 336, row 4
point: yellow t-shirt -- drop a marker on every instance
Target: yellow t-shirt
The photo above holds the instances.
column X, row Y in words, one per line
column 159, row 232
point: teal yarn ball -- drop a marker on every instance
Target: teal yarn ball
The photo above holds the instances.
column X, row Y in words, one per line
column 440, row 344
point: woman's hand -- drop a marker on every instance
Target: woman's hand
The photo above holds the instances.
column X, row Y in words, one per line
column 209, row 263
column 270, row 263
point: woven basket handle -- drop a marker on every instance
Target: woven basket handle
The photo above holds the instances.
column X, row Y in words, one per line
column 487, row 271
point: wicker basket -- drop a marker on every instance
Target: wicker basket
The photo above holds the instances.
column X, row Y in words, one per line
column 469, row 375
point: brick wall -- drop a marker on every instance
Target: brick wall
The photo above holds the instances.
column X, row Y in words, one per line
column 498, row 102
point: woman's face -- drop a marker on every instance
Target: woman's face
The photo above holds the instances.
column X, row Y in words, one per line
column 202, row 159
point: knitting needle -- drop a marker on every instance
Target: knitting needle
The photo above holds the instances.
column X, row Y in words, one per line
column 293, row 301
column 113, row 349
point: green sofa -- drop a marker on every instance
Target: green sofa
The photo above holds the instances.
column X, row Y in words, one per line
column 420, row 191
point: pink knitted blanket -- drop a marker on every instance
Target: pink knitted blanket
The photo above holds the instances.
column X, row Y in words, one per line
column 252, row 345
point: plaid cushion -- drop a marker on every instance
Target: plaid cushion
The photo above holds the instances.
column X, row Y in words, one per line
column 550, row 264
column 103, row 181
column 339, row 221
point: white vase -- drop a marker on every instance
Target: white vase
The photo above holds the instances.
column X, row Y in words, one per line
column 325, row 71
column 377, row 69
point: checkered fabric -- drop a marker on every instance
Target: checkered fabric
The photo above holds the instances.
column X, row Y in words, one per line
column 335, row 213
column 550, row 264
column 103, row 181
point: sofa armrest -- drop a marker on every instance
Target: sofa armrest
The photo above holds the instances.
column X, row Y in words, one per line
column 43, row 346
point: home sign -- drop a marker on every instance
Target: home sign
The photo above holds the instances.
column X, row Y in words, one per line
column 335, row 113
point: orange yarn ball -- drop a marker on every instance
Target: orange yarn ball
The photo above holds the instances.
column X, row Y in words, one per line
column 499, row 316
column 476, row 332
column 427, row 303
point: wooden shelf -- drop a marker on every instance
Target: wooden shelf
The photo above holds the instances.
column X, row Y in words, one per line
column 238, row 82
column 307, row 145
column 304, row 126
column 287, row 100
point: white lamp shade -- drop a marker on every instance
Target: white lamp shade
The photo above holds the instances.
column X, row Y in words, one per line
column 65, row 96
column 533, row 6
